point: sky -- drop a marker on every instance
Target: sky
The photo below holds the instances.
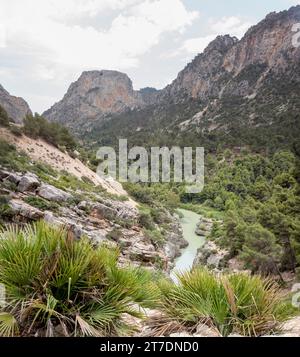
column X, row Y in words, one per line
column 46, row 44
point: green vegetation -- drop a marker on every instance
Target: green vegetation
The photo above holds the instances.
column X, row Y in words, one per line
column 41, row 204
column 254, row 197
column 6, row 212
column 237, row 303
column 38, row 127
column 54, row 283
column 4, row 118
column 10, row 158
column 258, row 198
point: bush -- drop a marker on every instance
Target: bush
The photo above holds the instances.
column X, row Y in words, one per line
column 38, row 127
column 155, row 236
column 6, row 213
column 54, row 283
column 233, row 303
column 41, row 204
column 4, row 119
column 15, row 130
column 145, row 220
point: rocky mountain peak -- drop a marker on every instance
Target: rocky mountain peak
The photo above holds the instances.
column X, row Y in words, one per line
column 221, row 44
column 94, row 95
column 16, row 107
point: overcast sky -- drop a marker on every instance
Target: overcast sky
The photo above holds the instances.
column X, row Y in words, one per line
column 46, row 44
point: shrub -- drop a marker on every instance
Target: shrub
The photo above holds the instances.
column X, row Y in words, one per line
column 15, row 130
column 53, row 282
column 239, row 303
column 6, row 213
column 155, row 236
column 41, row 204
column 4, row 119
column 38, row 127
column 145, row 220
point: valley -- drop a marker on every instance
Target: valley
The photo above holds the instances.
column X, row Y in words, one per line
column 88, row 256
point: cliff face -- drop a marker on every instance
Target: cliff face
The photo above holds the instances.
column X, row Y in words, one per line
column 233, row 84
column 16, row 107
column 93, row 96
column 268, row 46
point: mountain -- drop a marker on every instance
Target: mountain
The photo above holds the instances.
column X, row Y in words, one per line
column 235, row 93
column 97, row 94
column 16, row 107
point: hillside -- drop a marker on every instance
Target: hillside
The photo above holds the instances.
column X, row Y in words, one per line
column 40, row 151
column 16, row 107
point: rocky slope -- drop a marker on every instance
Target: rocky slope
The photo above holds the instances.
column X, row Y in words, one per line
column 42, row 182
column 236, row 91
column 16, row 107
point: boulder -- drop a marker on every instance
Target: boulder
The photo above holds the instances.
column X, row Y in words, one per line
column 25, row 210
column 28, row 182
column 143, row 252
column 13, row 177
column 206, row 331
column 3, row 174
column 52, row 193
column 292, row 327
column 102, row 211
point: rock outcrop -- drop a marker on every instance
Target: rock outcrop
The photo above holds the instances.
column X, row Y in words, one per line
column 95, row 95
column 16, row 107
column 52, row 193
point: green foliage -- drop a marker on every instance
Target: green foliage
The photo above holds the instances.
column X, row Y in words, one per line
column 38, row 127
column 41, row 204
column 155, row 236
column 10, row 158
column 257, row 196
column 233, row 303
column 260, row 252
column 54, row 282
column 15, row 130
column 6, row 213
column 4, row 118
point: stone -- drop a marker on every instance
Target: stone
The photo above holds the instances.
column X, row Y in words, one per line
column 52, row 193
column 292, row 326
column 13, row 177
column 102, row 211
column 28, row 182
column 3, row 174
column 25, row 210
column 206, row 331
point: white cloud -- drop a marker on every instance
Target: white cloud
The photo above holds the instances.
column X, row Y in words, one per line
column 233, row 26
column 197, row 45
column 2, row 36
column 52, row 40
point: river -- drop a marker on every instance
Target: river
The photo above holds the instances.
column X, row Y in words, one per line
column 188, row 223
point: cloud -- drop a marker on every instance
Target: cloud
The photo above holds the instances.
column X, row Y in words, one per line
column 55, row 39
column 2, row 36
column 233, row 26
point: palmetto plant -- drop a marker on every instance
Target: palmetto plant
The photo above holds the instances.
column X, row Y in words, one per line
column 55, row 285
column 240, row 303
